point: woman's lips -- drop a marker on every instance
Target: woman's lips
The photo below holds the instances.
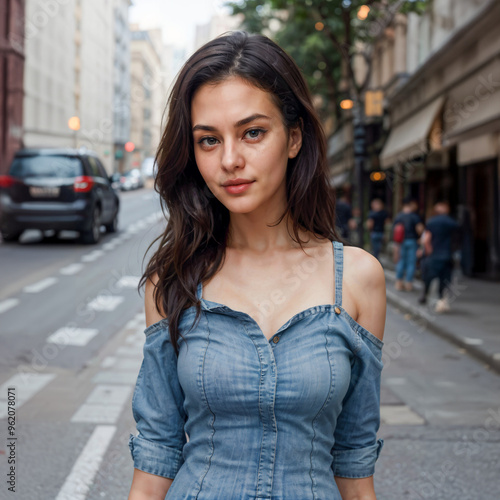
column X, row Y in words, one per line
column 238, row 188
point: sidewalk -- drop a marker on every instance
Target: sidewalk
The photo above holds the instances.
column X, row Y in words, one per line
column 473, row 322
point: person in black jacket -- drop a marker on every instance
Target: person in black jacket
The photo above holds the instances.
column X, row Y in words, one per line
column 377, row 218
column 437, row 240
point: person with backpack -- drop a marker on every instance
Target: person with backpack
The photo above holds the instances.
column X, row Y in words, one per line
column 407, row 228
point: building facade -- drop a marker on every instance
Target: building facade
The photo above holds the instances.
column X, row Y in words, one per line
column 12, row 18
column 121, row 85
column 148, row 93
column 444, row 115
column 69, row 73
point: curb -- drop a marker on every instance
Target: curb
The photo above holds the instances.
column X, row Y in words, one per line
column 480, row 354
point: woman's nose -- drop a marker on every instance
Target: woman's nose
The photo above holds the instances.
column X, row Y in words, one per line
column 231, row 156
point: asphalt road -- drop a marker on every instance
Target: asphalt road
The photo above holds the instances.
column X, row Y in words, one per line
column 71, row 333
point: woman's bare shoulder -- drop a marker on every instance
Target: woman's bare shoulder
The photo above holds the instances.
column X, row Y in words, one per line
column 364, row 280
column 152, row 313
column 363, row 268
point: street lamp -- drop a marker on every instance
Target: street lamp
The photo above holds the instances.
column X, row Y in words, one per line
column 346, row 104
column 359, row 164
column 74, row 124
column 363, row 12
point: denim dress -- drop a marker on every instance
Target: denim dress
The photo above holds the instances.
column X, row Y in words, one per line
column 266, row 419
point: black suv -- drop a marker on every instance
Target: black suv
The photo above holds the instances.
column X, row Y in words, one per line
column 58, row 189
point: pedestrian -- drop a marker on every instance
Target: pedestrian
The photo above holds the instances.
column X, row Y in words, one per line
column 345, row 220
column 413, row 227
column 262, row 358
column 437, row 240
column 377, row 218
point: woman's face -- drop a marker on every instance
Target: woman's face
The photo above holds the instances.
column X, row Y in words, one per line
column 239, row 133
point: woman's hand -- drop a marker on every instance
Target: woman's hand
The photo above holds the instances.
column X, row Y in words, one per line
column 356, row 489
column 148, row 487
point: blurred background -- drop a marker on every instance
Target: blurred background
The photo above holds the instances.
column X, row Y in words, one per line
column 409, row 96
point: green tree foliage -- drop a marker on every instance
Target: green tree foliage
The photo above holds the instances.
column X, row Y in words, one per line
column 325, row 37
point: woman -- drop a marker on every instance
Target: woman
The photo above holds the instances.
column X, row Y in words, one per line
column 261, row 371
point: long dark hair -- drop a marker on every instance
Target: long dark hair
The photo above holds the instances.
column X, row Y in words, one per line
column 192, row 248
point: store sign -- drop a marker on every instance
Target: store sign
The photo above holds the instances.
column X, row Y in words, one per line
column 374, row 103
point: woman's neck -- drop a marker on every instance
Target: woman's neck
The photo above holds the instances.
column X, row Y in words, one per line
column 250, row 233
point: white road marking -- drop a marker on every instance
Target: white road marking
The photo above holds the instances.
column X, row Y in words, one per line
column 104, row 405
column 395, row 381
column 128, row 282
column 399, row 415
column 73, row 336
column 496, row 356
column 82, row 474
column 127, row 351
column 109, row 246
column 444, row 383
column 26, row 386
column 105, row 303
column 71, row 269
column 7, row 304
column 118, row 378
column 470, row 341
column 108, row 362
column 92, row 256
column 40, row 285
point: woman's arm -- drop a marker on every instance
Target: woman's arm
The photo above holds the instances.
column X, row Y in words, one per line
column 356, row 489
column 148, row 487
column 365, row 292
column 364, row 284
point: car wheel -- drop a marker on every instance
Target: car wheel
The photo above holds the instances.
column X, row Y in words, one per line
column 93, row 234
column 112, row 227
column 11, row 236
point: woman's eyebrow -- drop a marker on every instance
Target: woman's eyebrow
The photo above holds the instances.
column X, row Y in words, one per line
column 240, row 123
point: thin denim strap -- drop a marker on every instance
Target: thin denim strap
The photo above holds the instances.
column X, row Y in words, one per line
column 339, row 266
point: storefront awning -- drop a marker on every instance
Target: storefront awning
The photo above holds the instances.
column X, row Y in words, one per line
column 408, row 139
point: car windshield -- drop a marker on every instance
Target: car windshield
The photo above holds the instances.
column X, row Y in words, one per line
column 46, row 166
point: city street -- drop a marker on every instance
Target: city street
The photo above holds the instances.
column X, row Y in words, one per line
column 71, row 330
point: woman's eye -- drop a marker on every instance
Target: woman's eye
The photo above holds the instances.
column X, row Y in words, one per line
column 255, row 133
column 208, row 141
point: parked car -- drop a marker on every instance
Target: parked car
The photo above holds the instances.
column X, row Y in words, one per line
column 115, row 180
column 149, row 167
column 57, row 189
column 132, row 179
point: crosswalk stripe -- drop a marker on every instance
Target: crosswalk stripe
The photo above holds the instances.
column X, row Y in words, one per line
column 128, row 282
column 104, row 404
column 105, row 303
column 5, row 305
column 40, row 285
column 73, row 336
column 82, row 474
column 72, row 269
column 399, row 415
column 26, row 386
column 90, row 257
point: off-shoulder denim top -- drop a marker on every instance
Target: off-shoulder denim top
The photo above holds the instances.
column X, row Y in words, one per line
column 239, row 417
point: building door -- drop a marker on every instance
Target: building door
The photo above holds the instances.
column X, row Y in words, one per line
column 482, row 193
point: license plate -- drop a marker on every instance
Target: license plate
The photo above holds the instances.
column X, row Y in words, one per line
column 44, row 192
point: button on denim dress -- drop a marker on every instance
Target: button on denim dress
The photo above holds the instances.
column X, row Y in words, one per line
column 267, row 419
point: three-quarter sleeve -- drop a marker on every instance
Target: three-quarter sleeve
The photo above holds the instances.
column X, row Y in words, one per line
column 157, row 407
column 356, row 446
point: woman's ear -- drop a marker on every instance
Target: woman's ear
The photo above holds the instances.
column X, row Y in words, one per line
column 295, row 140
